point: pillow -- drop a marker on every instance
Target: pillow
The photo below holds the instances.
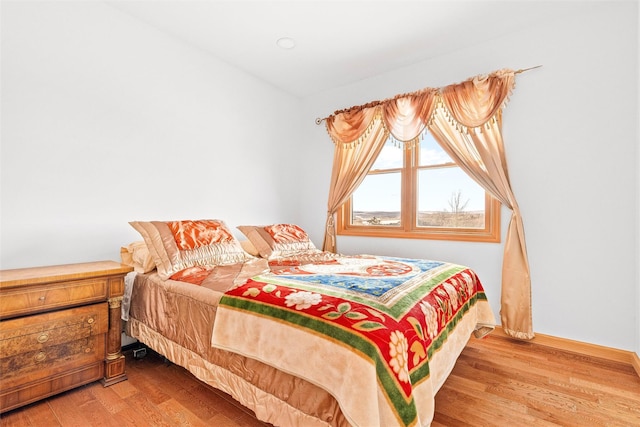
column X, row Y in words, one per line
column 137, row 255
column 249, row 248
column 278, row 240
column 176, row 245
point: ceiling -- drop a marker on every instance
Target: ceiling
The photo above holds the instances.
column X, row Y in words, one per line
column 337, row 42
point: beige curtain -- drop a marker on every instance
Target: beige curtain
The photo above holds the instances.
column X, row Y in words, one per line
column 466, row 119
column 359, row 138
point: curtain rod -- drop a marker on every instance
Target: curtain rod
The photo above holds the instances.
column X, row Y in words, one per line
column 374, row 103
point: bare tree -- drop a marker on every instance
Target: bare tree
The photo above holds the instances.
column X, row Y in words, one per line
column 455, row 202
column 457, row 206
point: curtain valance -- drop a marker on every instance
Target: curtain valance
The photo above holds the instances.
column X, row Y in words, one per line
column 469, row 104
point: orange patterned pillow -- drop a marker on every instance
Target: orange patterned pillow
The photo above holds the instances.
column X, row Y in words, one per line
column 278, row 240
column 176, row 245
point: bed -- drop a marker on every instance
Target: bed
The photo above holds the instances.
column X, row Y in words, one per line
column 300, row 336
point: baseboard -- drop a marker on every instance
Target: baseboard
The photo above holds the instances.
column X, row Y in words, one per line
column 592, row 350
column 636, row 363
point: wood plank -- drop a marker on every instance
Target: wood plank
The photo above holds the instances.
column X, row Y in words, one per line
column 180, row 415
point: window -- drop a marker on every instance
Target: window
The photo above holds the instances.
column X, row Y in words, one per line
column 420, row 193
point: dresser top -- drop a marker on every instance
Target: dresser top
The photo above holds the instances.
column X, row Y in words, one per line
column 59, row 273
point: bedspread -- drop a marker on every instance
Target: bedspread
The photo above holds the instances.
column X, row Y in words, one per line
column 364, row 328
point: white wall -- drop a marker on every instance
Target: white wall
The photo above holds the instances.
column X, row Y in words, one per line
column 638, row 194
column 106, row 120
column 571, row 134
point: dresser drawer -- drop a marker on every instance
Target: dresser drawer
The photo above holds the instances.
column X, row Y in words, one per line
column 35, row 365
column 39, row 298
column 38, row 346
column 44, row 330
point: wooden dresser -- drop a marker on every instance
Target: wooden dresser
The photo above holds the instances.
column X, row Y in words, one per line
column 59, row 328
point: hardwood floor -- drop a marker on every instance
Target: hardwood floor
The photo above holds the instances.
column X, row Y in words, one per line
column 496, row 382
column 502, row 382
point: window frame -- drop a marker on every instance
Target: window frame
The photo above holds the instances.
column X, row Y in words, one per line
column 409, row 183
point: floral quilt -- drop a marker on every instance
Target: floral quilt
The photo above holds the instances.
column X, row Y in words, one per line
column 363, row 327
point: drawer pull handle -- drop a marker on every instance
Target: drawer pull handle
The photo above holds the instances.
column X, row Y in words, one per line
column 87, row 350
column 40, row 357
column 43, row 338
column 42, row 298
column 90, row 320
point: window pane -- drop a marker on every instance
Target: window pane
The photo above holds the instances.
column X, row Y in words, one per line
column 377, row 200
column 431, row 153
column 447, row 197
column 390, row 157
